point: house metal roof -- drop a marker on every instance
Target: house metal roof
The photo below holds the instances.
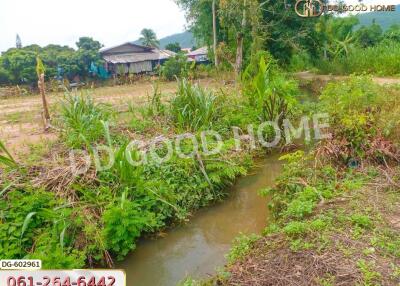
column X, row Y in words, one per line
column 153, row 55
column 198, row 52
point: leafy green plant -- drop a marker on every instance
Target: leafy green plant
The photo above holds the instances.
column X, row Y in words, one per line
column 175, row 67
column 241, row 246
column 123, row 224
column 82, row 120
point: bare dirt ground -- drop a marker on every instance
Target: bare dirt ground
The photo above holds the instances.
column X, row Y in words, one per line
column 21, row 117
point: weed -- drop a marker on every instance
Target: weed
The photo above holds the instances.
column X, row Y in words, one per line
column 296, row 228
column 370, row 276
column 241, row 246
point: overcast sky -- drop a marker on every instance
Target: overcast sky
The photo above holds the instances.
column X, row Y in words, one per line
column 110, row 22
column 63, row 22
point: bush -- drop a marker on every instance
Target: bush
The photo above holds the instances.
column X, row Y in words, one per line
column 175, row 67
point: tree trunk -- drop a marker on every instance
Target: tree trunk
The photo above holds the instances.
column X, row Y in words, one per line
column 46, row 114
column 239, row 53
column 239, row 42
column 215, row 33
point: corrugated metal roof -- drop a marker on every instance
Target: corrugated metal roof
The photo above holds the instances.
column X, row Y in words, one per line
column 201, row 51
column 138, row 57
column 104, row 50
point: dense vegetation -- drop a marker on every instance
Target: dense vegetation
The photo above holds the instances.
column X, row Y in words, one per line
column 71, row 221
column 335, row 205
column 17, row 65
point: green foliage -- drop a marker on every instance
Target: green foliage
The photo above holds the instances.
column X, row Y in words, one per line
column 175, row 67
column 149, row 38
column 241, row 246
column 296, row 228
column 82, row 120
column 382, row 59
column 35, row 217
column 17, row 66
column 194, row 108
column 362, row 221
column 269, row 91
column 123, row 225
column 174, row 47
column 368, row 36
column 356, row 114
column 39, row 67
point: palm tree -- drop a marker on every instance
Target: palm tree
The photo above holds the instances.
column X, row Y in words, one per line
column 149, row 38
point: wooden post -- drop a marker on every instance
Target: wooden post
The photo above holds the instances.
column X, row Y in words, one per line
column 46, row 114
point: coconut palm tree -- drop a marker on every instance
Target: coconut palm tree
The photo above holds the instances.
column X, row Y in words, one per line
column 149, row 38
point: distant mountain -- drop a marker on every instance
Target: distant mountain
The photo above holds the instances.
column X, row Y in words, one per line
column 185, row 40
column 385, row 19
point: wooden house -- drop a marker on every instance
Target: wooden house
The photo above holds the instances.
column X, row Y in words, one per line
column 130, row 58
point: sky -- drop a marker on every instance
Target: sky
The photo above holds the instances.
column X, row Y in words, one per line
column 111, row 22
column 62, row 22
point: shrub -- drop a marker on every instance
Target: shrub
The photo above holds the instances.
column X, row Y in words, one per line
column 175, row 67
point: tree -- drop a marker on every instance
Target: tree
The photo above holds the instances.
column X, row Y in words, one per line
column 393, row 33
column 18, row 42
column 174, row 47
column 336, row 34
column 368, row 36
column 88, row 53
column 149, row 38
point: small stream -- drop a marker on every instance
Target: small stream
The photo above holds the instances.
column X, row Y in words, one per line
column 197, row 248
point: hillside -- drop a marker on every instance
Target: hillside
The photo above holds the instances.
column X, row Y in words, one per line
column 185, row 39
column 385, row 19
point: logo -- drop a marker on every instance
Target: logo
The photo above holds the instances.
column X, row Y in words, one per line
column 309, row 8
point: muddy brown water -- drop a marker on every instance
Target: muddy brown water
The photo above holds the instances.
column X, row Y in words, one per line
column 198, row 248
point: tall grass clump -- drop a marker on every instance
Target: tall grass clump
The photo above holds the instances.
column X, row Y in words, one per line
column 194, row 108
column 382, row 59
column 82, row 120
